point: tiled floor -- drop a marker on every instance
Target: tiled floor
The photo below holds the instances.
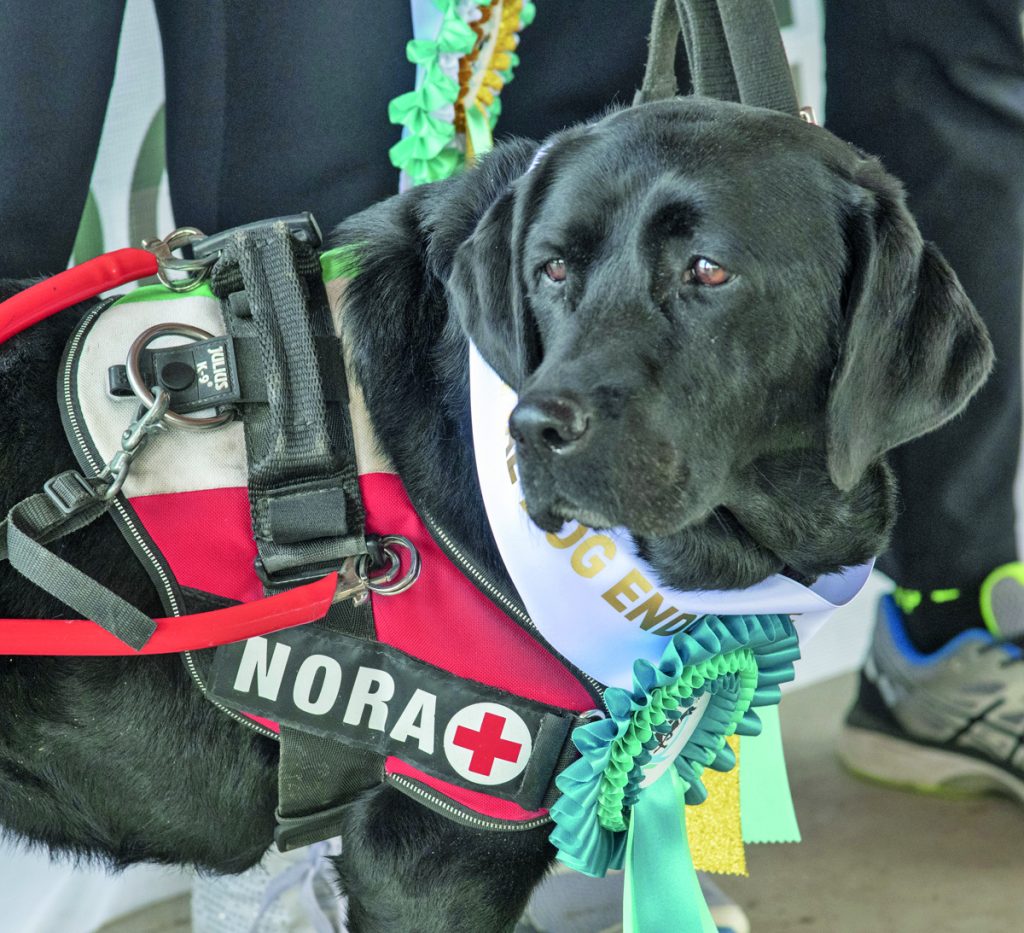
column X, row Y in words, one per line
column 876, row 860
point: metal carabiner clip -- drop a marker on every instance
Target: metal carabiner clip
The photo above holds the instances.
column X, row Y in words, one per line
column 133, row 440
column 196, row 270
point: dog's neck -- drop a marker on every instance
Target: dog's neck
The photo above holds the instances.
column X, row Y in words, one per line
column 782, row 515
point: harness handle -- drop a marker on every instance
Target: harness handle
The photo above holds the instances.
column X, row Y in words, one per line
column 733, row 47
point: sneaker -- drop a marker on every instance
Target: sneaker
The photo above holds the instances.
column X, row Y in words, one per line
column 947, row 722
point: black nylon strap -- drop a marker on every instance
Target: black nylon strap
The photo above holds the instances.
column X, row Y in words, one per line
column 303, row 486
column 660, row 71
column 734, row 50
column 758, row 56
column 296, row 443
column 712, row 69
column 317, row 779
column 316, row 776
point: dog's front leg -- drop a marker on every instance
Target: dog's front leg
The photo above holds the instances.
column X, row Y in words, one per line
column 406, row 869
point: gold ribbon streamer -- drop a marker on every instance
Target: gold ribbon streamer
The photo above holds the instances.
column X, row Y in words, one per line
column 714, row 827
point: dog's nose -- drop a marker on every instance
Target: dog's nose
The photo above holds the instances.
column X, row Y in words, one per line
column 554, row 422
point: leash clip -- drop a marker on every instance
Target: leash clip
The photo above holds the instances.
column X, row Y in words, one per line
column 133, row 440
column 353, row 582
column 196, row 270
column 356, row 583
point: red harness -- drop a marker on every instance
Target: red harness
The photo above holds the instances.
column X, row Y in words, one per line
column 444, row 620
column 66, row 637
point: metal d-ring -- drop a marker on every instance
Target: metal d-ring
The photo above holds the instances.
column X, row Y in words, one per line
column 387, row 585
column 145, row 393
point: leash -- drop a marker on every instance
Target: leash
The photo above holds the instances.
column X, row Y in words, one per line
column 82, row 638
column 110, row 270
column 67, row 288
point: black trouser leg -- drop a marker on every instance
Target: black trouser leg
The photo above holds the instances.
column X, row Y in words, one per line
column 274, row 108
column 56, row 68
column 936, row 89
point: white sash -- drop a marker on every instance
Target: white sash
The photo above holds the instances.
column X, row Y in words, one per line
column 589, row 593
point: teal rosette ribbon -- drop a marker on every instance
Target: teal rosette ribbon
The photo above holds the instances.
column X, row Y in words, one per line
column 623, row 802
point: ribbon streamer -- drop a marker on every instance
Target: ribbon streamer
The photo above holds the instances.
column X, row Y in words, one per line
column 661, row 888
column 766, row 805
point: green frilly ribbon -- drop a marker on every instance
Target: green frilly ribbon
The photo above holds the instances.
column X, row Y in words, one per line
column 430, row 149
column 613, row 815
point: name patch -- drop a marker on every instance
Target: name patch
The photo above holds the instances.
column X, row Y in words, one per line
column 375, row 697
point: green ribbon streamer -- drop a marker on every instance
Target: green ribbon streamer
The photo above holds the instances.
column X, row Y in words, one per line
column 479, row 131
column 661, row 888
column 766, row 805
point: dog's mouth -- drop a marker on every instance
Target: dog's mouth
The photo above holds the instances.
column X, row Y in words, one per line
column 650, row 518
column 644, row 486
column 553, row 516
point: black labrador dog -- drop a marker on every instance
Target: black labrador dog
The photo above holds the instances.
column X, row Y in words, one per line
column 718, row 319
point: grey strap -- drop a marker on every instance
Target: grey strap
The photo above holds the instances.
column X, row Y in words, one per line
column 733, row 47
column 68, row 505
column 70, row 502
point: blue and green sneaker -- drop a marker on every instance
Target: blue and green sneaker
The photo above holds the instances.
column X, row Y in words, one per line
column 951, row 721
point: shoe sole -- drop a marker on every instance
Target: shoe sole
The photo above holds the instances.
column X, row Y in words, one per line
column 895, row 762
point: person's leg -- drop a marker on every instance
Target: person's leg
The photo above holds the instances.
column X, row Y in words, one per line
column 56, row 70
column 278, row 108
column 285, row 109
column 937, row 91
column 577, row 60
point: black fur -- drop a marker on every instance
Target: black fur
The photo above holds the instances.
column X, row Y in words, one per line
column 737, row 430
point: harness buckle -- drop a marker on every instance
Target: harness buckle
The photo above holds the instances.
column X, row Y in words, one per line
column 71, row 492
column 358, row 575
column 352, row 581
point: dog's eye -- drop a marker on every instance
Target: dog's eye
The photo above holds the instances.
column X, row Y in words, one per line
column 555, row 270
column 704, row 271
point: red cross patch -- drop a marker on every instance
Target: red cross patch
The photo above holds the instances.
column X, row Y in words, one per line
column 487, row 743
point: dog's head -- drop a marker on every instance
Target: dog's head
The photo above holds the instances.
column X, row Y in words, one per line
column 684, row 290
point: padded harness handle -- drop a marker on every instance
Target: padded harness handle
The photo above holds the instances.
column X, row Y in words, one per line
column 733, row 47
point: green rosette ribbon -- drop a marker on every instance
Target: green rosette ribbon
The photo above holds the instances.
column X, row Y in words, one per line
column 623, row 802
column 430, row 149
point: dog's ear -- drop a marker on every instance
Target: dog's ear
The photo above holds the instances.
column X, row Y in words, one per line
column 486, row 293
column 914, row 349
column 487, row 288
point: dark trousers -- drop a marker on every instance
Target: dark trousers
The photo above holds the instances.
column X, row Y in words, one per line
column 272, row 108
column 936, row 89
